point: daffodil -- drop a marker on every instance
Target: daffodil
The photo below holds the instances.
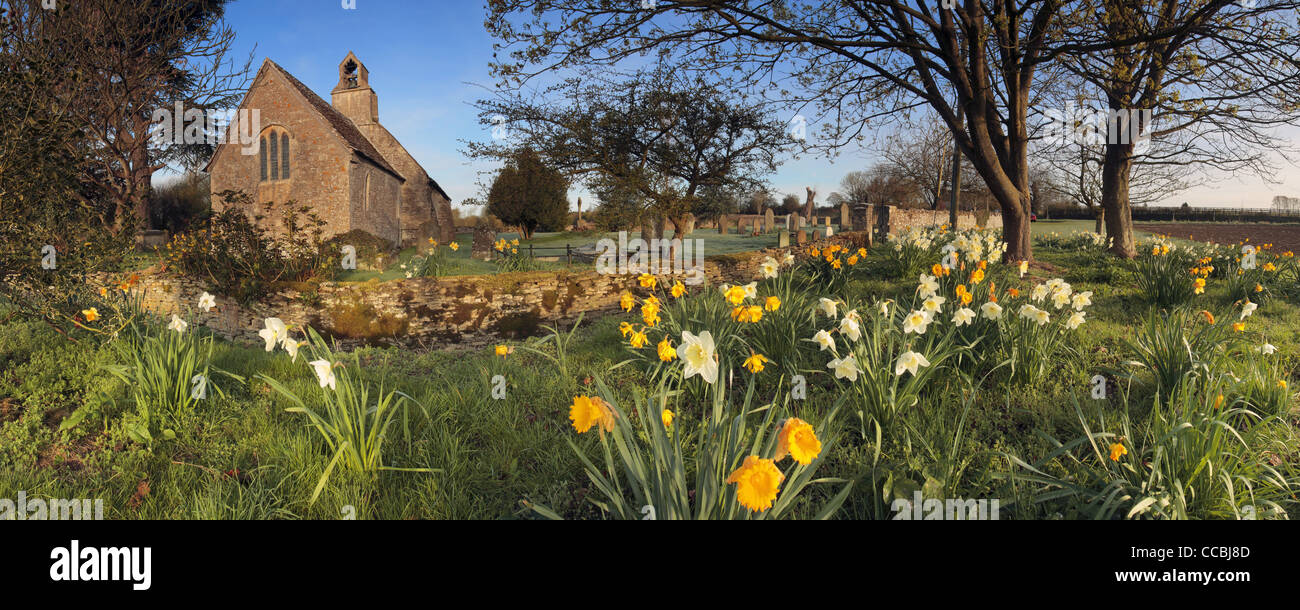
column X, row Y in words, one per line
column 177, row 324
column 991, row 311
column 1268, row 349
column 828, row 307
column 849, row 327
column 1248, row 309
column 963, row 317
column 1199, row 286
column 757, row 483
column 824, row 340
column 667, row 418
column 324, row 370
column 274, row 333
column 755, row 363
column 454, row 246
column 734, row 295
column 772, row 304
column 627, row 301
column 928, row 286
column 1075, row 321
column 751, row 290
column 1081, row 300
column 798, row 440
column 678, row 290
column 503, row 350
column 639, row 339
column 844, row 368
column 770, row 268
column 909, row 362
column 698, row 354
column 1117, row 451
column 625, row 329
column 666, row 350
column 934, row 304
column 589, row 411
column 207, row 302
column 650, row 314
column 1239, row 327
column 647, row 281
column 916, row 322
column 91, row 314
column 1024, row 268
column 292, row 348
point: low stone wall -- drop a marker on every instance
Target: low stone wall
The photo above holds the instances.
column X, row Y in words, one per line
column 902, row 219
column 467, row 311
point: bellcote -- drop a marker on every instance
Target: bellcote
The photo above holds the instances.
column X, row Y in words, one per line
column 353, row 96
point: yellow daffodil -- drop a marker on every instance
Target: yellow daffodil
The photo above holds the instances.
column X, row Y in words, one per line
column 503, row 350
column 1218, row 402
column 735, row 295
column 772, row 304
column 639, row 339
column 755, row 363
column 650, row 314
column 667, row 418
column 648, row 281
column 798, row 440
column 757, row 483
column 626, row 329
column 627, row 302
column 667, row 352
column 586, row 412
column 1239, row 327
column 454, row 246
column 678, row 291
column 1117, row 451
column 1199, row 286
column 91, row 314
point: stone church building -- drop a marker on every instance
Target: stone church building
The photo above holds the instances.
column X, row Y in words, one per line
column 336, row 158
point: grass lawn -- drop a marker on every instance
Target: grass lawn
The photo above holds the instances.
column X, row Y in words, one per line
column 241, row 455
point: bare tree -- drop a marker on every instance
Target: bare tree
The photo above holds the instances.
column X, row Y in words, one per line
column 131, row 59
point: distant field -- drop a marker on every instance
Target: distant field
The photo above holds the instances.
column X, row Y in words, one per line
column 1282, row 236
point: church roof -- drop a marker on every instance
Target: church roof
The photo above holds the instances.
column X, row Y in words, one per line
column 341, row 124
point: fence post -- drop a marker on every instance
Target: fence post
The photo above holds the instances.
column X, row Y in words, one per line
column 530, row 252
column 568, row 255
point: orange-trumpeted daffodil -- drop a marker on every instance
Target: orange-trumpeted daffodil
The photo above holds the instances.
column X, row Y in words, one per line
column 757, row 483
column 798, row 440
column 1117, row 451
column 91, row 314
column 588, row 411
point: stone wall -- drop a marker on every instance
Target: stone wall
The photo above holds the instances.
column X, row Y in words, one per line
column 901, row 219
column 468, row 311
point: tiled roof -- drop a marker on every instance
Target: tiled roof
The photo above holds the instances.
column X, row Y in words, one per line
column 340, row 123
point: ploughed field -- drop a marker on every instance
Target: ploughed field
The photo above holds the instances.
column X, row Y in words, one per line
column 1283, row 236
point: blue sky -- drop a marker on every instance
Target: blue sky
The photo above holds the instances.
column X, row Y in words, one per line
column 428, row 61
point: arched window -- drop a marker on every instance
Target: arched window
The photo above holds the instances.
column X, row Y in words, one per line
column 274, row 155
column 263, row 157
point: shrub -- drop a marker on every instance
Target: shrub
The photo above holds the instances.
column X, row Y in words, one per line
column 239, row 258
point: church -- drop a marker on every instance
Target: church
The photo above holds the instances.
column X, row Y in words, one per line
column 336, row 158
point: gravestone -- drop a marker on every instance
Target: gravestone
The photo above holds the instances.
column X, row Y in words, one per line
column 722, row 224
column 882, row 219
column 863, row 220
column 845, row 221
column 801, row 237
column 789, row 222
column 783, row 239
column 769, row 221
column 484, row 239
column 802, row 221
column 826, row 221
column 758, row 226
column 829, row 231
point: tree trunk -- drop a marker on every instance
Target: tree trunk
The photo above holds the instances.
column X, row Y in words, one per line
column 1115, row 172
column 1100, row 213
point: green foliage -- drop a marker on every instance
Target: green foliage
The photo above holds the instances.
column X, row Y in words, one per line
column 528, row 194
column 236, row 256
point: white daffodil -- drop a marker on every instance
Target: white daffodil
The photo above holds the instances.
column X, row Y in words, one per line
column 1041, row 317
column 207, row 302
column 829, row 308
column 910, row 362
column 934, row 304
column 884, row 307
column 1081, row 300
column 928, row 287
column 1024, row 268
column 324, row 370
column 292, row 347
column 1040, row 292
column 770, row 268
column 916, row 322
column 824, row 340
column 949, row 261
column 963, row 317
column 1060, row 299
column 178, row 324
column 991, row 310
column 788, row 260
column 1076, row 319
column 697, row 353
column 849, row 328
column 1248, row 309
column 844, row 368
column 751, row 290
column 1267, row 349
column 274, row 333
